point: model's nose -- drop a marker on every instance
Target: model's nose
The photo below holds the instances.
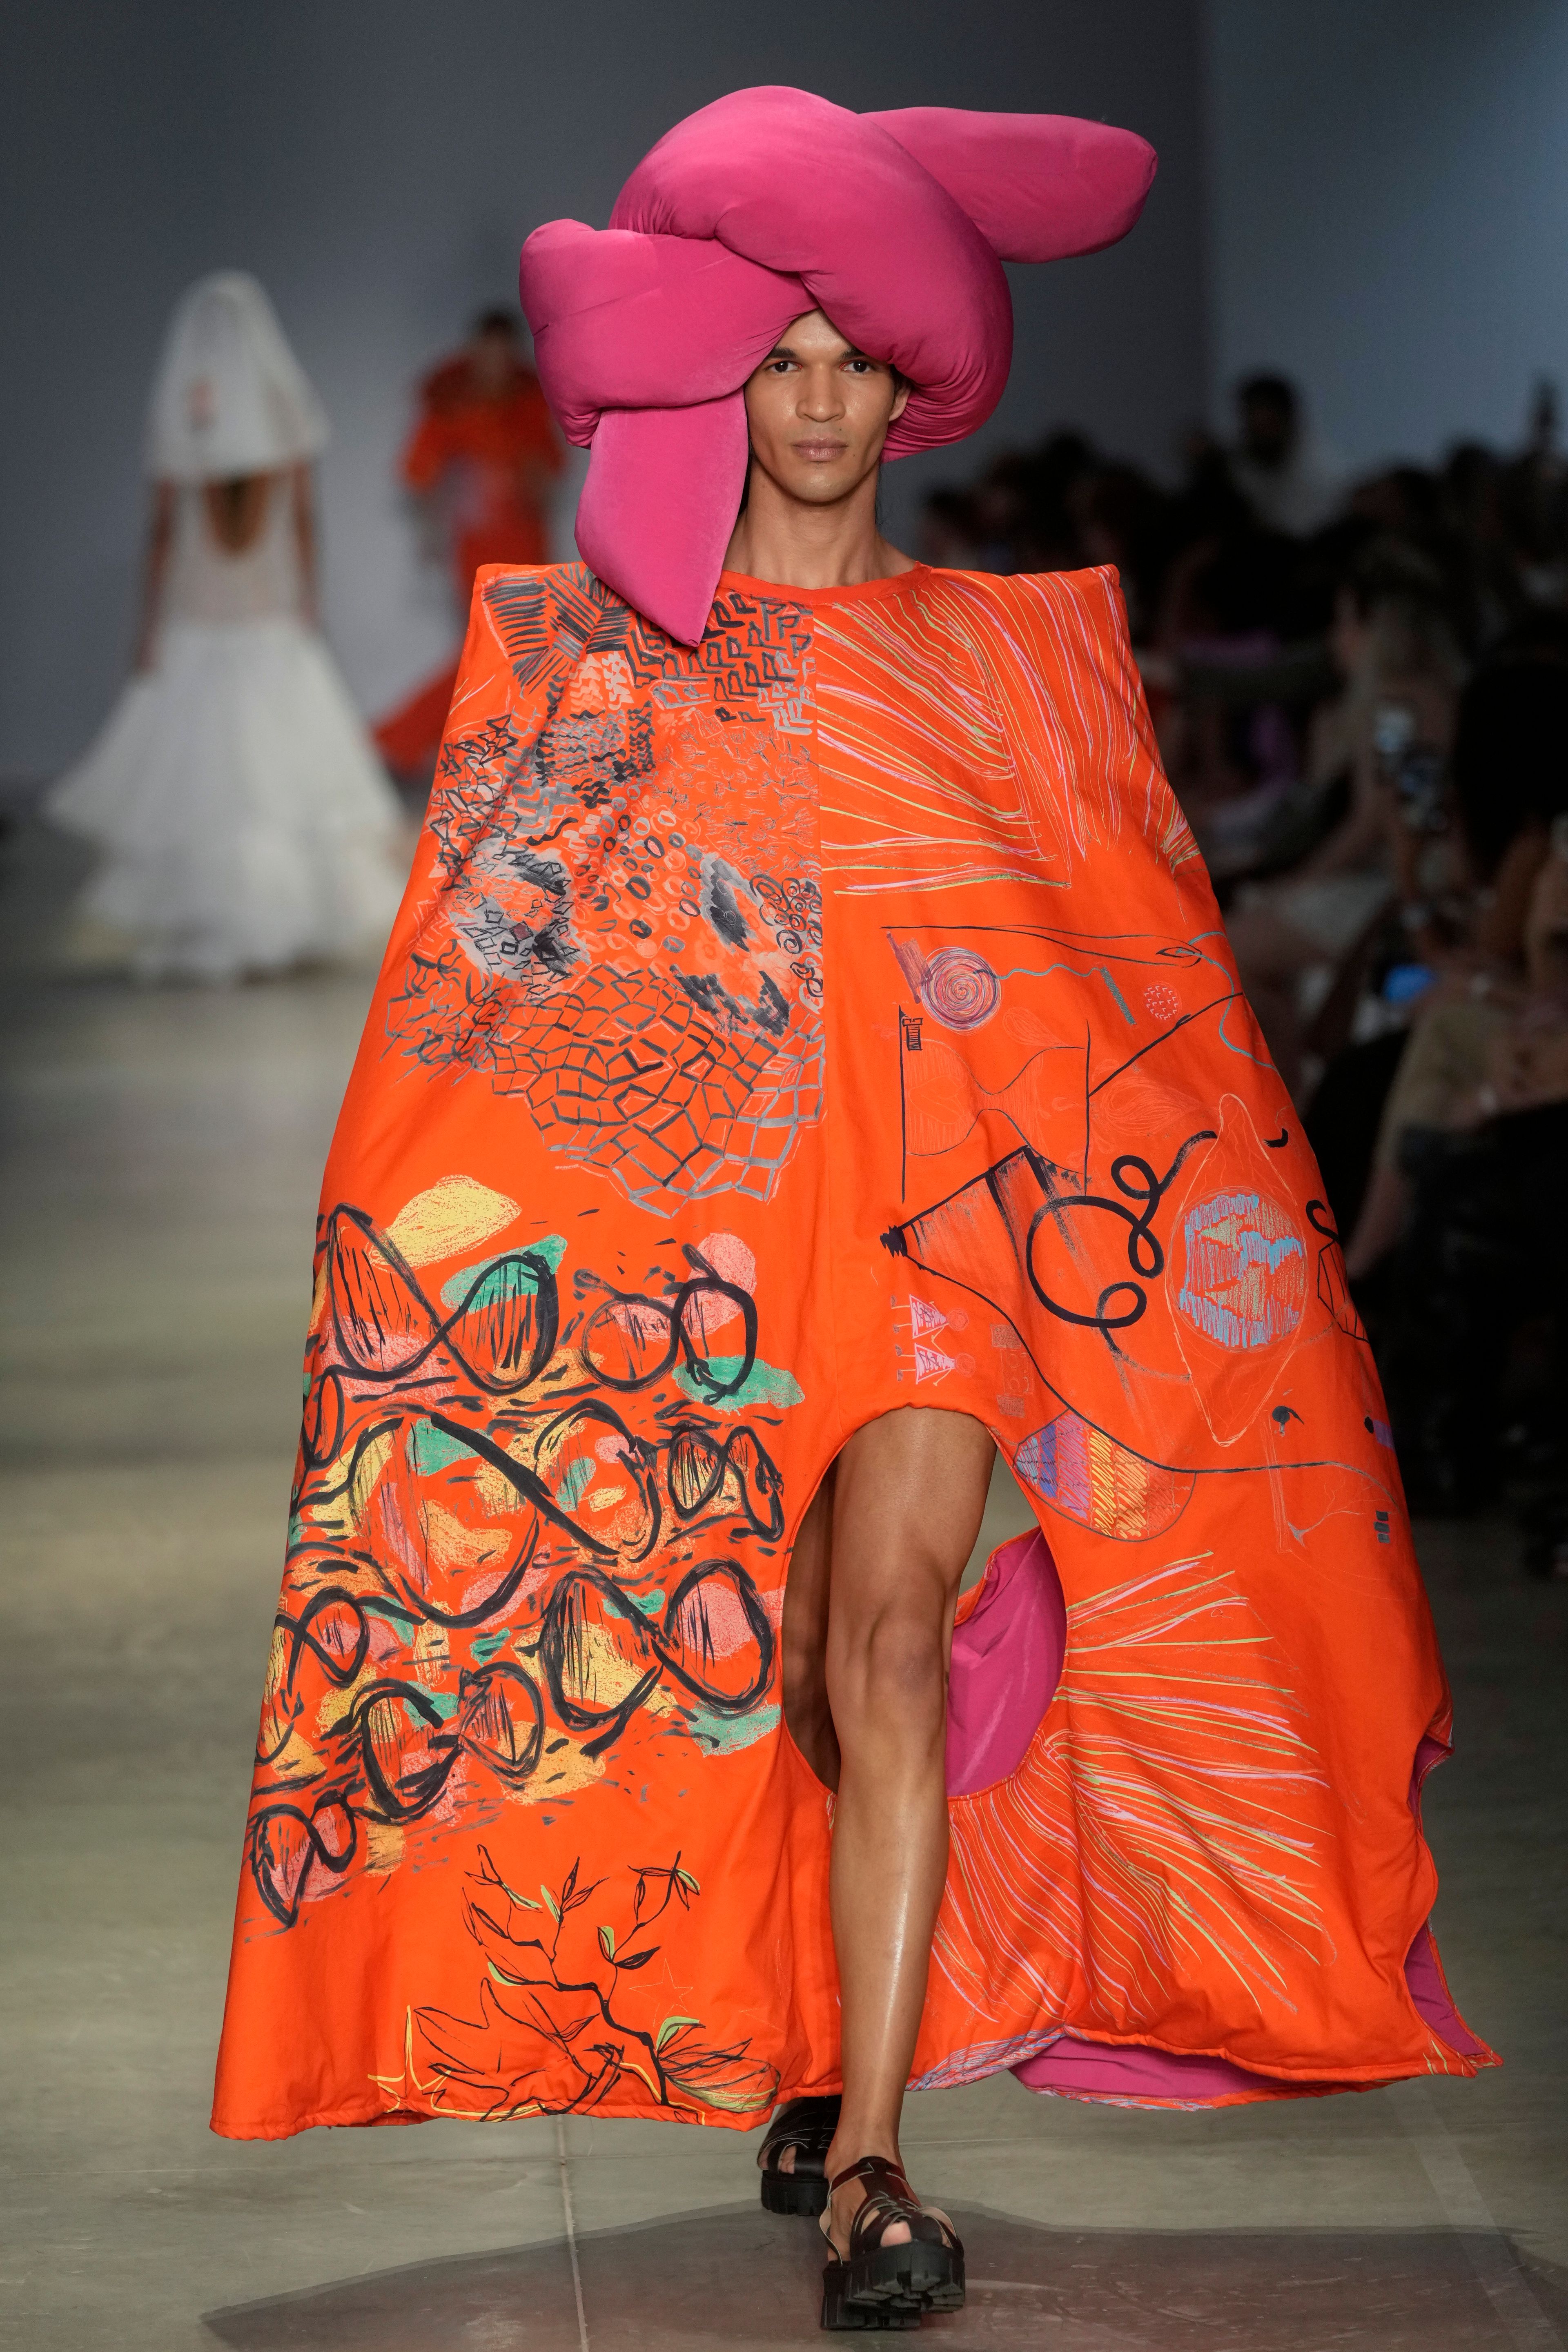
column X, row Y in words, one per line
column 820, row 398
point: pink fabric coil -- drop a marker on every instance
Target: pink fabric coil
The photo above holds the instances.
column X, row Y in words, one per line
column 765, row 205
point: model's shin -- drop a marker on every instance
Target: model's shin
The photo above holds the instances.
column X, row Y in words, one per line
column 910, row 1489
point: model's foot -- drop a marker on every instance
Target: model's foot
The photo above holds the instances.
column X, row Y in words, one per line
column 845, row 2202
column 791, row 2157
column 893, row 2259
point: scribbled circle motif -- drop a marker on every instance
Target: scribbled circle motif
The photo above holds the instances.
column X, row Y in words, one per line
column 1245, row 1269
column 959, row 989
column 1162, row 1002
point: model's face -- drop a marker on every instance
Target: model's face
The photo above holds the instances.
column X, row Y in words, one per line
column 818, row 412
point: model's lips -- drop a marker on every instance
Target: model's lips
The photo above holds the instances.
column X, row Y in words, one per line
column 818, row 451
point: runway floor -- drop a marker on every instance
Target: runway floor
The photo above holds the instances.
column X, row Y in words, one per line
column 161, row 1150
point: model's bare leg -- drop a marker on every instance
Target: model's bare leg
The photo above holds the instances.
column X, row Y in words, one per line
column 907, row 1498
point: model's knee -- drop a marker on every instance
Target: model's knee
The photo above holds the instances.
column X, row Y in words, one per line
column 889, row 1664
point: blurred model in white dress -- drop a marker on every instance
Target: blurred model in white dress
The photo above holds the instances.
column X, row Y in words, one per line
column 245, row 821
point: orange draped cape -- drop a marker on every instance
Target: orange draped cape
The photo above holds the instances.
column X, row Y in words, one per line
column 831, row 1017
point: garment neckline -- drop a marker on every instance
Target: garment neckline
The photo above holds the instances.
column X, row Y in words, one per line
column 855, row 591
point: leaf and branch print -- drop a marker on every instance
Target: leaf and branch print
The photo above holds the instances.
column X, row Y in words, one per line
column 565, row 2015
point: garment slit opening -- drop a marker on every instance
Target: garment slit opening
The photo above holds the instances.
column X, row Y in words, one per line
column 1003, row 1641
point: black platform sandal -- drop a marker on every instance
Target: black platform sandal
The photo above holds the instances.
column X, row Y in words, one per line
column 807, row 2126
column 890, row 2286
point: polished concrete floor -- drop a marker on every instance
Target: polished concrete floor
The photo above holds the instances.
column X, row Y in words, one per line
column 161, row 1152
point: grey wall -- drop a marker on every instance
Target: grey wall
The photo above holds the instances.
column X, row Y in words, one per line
column 378, row 166
column 1389, row 184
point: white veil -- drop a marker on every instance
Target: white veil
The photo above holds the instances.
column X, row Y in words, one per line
column 230, row 397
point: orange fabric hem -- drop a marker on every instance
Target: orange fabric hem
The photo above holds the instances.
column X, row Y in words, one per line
column 1368, row 2078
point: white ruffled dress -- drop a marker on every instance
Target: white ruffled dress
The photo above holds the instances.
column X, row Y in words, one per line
column 245, row 822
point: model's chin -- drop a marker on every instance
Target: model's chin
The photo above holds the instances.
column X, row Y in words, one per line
column 821, row 485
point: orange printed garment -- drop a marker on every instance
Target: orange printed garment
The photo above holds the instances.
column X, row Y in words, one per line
column 832, row 1017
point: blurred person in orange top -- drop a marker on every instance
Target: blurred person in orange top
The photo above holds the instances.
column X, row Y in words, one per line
column 482, row 458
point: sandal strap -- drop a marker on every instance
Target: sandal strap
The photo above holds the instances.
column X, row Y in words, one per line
column 806, row 2124
column 871, row 2167
column 888, row 2201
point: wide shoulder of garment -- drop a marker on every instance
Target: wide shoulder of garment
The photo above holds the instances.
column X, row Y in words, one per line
column 1064, row 686
column 1048, row 651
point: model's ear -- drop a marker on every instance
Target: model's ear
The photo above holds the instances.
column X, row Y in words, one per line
column 901, row 399
column 1038, row 187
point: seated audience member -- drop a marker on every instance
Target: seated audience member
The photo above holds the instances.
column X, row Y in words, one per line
column 1535, row 505
column 949, row 533
column 1509, row 772
column 1485, row 1250
column 1387, row 736
column 1224, row 619
column 1510, row 745
column 1041, row 530
column 1122, row 518
column 1489, row 1042
column 1289, row 480
column 1486, row 583
column 1404, row 503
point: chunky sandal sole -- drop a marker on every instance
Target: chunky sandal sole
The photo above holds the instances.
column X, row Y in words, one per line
column 918, row 2277
column 839, row 2314
column 794, row 2192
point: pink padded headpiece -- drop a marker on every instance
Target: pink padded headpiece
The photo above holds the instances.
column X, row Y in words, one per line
column 765, row 205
